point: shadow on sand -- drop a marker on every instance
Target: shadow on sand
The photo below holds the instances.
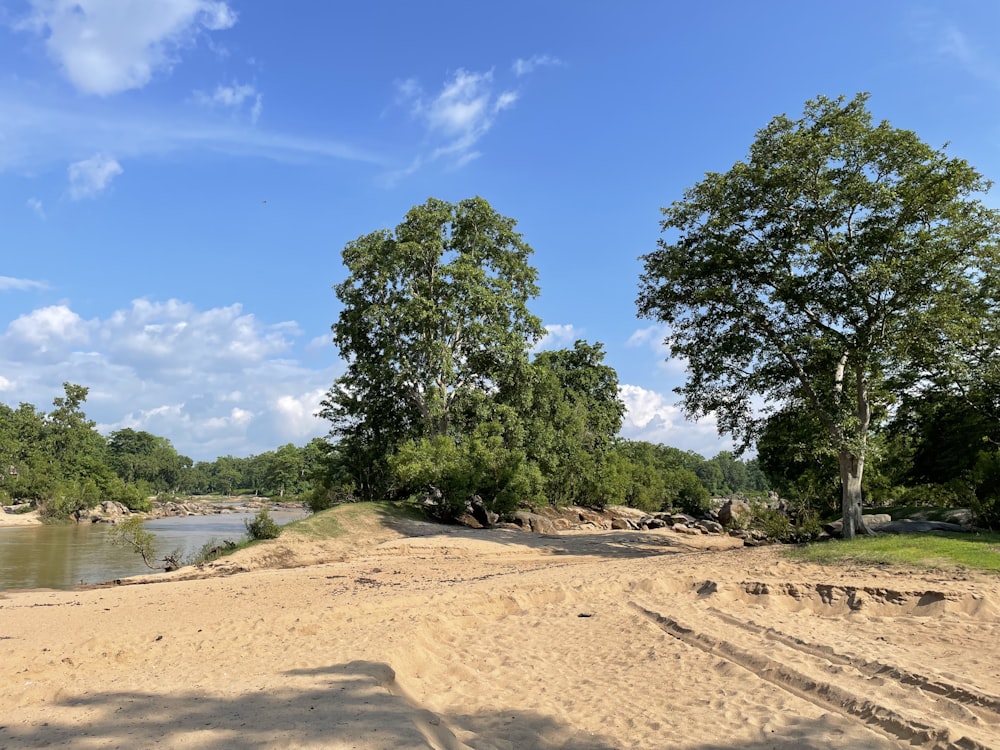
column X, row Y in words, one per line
column 352, row 705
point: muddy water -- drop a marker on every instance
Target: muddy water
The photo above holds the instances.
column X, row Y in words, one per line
column 61, row 557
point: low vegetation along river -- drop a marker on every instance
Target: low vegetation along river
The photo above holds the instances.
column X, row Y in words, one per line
column 65, row 556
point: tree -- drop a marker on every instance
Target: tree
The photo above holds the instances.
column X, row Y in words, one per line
column 569, row 406
column 811, row 271
column 432, row 310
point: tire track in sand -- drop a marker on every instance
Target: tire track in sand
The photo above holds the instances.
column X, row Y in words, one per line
column 813, row 682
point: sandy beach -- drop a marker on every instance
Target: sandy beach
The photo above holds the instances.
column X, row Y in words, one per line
column 410, row 635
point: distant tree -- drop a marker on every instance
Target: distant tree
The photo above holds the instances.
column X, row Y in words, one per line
column 138, row 456
column 810, row 272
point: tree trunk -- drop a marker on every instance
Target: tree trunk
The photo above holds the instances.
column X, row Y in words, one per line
column 851, row 469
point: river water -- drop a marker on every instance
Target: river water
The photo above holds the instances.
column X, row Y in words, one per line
column 65, row 556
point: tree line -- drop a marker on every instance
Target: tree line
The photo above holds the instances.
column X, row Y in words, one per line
column 60, row 461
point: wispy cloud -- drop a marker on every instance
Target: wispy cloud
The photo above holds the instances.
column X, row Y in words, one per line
column 8, row 283
column 108, row 46
column 524, row 66
column 233, row 98
column 36, row 205
column 455, row 118
column 90, row 177
column 36, row 135
column 936, row 34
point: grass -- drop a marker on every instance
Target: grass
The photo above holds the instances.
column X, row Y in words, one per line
column 335, row 522
column 932, row 551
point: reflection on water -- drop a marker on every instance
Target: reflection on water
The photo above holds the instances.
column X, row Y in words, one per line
column 61, row 557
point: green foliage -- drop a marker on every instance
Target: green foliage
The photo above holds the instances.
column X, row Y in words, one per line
column 451, row 473
column 131, row 533
column 431, row 311
column 212, row 550
column 262, row 526
column 685, row 492
column 811, row 272
column 986, row 479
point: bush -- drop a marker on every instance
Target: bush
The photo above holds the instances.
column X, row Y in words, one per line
column 684, row 490
column 938, row 495
column 262, row 526
column 986, row 476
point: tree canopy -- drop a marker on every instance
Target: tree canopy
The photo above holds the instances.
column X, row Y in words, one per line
column 812, row 271
column 432, row 311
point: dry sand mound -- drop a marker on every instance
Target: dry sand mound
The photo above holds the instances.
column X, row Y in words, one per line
column 401, row 636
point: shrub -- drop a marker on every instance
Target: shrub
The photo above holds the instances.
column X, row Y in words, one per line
column 262, row 526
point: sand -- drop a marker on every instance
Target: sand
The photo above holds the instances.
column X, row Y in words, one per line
column 414, row 636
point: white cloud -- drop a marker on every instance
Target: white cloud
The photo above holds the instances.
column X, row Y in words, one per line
column 5, row 384
column 318, row 343
column 49, row 328
column 523, row 66
column 655, row 338
column 234, row 97
column 108, row 46
column 214, row 381
column 36, row 205
column 457, row 117
column 296, row 415
column 8, row 283
column 558, row 336
column 653, row 417
column 90, row 177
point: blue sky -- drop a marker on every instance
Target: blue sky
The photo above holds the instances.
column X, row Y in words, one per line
column 178, row 177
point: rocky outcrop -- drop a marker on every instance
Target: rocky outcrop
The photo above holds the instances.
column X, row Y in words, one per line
column 106, row 512
column 112, row 512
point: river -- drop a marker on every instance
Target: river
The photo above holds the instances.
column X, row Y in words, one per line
column 65, row 556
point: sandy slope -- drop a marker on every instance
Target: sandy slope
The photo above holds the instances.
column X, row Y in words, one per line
column 408, row 637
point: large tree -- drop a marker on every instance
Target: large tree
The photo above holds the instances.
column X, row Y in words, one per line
column 808, row 273
column 431, row 311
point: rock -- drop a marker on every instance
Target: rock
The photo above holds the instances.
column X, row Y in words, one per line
column 711, row 527
column 620, row 523
column 874, row 521
column 535, row 522
column 913, row 526
column 589, row 516
column 684, row 529
column 483, row 516
column 684, row 518
column 467, row 519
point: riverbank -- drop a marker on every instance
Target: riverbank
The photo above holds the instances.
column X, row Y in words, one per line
column 109, row 512
column 29, row 518
column 403, row 634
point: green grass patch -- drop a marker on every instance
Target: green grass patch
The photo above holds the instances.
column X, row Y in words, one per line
column 338, row 520
column 931, row 551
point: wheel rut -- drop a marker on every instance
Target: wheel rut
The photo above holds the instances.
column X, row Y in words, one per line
column 904, row 706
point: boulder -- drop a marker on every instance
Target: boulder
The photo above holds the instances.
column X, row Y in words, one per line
column 483, row 515
column 534, row 522
column 684, row 529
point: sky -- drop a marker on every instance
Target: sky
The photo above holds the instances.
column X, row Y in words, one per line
column 178, row 177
